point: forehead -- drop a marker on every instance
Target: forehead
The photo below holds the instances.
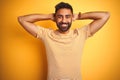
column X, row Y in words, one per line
column 64, row 11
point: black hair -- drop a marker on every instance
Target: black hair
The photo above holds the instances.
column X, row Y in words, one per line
column 63, row 5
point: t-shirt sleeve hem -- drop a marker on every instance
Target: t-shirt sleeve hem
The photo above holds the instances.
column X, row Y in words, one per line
column 40, row 32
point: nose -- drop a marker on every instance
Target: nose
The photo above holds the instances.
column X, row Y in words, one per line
column 64, row 20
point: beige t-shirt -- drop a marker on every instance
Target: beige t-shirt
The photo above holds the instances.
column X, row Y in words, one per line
column 64, row 52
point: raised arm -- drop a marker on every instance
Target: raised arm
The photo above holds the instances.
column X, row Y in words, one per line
column 27, row 21
column 99, row 19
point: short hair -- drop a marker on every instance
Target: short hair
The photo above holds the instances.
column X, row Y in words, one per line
column 63, row 5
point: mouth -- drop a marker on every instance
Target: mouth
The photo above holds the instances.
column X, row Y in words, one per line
column 64, row 25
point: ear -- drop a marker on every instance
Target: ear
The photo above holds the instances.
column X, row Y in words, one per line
column 53, row 18
column 73, row 17
column 76, row 16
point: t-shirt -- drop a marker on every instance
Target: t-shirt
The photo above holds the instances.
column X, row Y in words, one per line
column 64, row 52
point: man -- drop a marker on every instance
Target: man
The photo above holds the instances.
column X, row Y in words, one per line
column 64, row 46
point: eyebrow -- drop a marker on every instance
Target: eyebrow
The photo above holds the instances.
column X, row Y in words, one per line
column 65, row 15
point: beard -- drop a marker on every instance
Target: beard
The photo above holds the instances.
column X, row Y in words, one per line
column 63, row 27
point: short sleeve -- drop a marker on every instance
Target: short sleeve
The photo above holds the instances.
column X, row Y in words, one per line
column 40, row 32
column 85, row 30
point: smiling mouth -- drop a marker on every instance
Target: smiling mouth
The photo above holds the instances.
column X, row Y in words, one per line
column 64, row 25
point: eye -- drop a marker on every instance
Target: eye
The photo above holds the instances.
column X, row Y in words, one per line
column 68, row 16
column 59, row 16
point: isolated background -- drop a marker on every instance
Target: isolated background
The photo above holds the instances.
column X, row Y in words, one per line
column 23, row 56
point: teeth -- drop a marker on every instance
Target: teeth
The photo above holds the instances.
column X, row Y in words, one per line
column 64, row 24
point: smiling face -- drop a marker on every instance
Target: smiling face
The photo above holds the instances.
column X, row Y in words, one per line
column 63, row 18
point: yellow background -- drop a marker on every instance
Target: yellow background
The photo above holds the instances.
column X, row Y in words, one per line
column 23, row 56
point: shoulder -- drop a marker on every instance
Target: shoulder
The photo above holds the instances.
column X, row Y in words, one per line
column 42, row 31
column 84, row 30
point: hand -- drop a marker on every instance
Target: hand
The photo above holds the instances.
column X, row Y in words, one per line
column 76, row 16
column 53, row 17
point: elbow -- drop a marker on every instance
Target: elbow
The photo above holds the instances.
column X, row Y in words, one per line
column 107, row 15
column 20, row 19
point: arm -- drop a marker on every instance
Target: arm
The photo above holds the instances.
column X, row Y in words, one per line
column 99, row 19
column 27, row 21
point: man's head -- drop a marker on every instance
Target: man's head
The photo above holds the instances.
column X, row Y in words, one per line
column 63, row 16
column 62, row 5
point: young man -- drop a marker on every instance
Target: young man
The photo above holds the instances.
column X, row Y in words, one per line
column 64, row 46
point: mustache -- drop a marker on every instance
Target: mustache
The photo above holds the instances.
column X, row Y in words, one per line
column 63, row 23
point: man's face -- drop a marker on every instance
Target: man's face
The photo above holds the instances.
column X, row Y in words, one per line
column 63, row 18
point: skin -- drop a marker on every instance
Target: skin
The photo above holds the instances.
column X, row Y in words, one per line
column 63, row 19
column 99, row 18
